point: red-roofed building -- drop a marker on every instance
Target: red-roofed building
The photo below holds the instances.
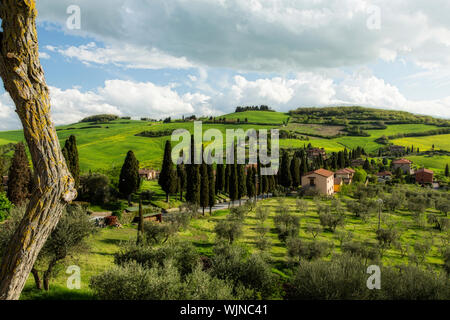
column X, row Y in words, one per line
column 345, row 174
column 321, row 180
column 424, row 176
column 404, row 165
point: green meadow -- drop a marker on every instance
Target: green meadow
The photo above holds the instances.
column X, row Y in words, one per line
column 440, row 142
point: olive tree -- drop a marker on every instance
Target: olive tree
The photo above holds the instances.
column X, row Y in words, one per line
column 23, row 78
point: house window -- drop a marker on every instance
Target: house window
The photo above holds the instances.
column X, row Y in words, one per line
column 312, row 182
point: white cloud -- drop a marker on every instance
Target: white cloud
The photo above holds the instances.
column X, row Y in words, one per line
column 126, row 56
column 44, row 55
column 310, row 89
column 269, row 35
column 123, row 98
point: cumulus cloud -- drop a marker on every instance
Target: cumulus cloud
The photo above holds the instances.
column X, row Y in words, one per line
column 126, row 56
column 310, row 89
column 270, row 35
column 123, row 98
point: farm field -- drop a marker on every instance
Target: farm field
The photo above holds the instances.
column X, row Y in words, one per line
column 435, row 162
column 440, row 142
column 258, row 116
column 322, row 130
column 330, row 145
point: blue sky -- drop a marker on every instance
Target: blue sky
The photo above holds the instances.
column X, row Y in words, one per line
column 175, row 57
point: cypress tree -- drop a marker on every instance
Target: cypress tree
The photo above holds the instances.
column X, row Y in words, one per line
column 181, row 174
column 366, row 165
column 193, row 178
column 167, row 178
column 70, row 152
column 204, row 187
column 226, row 182
column 220, row 178
column 129, row 180
column 341, row 160
column 250, row 182
column 233, row 183
column 242, row 185
column 447, row 173
column 285, row 178
column 19, row 176
column 295, row 171
column 212, row 188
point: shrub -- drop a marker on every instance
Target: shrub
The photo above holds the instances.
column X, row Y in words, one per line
column 132, row 281
column 331, row 220
column 250, row 274
column 287, row 225
column 95, row 188
column 343, row 278
column 184, row 256
column 229, row 230
column 5, row 206
column 158, row 233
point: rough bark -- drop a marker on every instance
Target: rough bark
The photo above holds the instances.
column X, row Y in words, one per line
column 24, row 80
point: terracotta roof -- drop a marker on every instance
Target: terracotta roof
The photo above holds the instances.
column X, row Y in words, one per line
column 322, row 172
column 425, row 170
column 346, row 170
column 384, row 173
column 402, row 161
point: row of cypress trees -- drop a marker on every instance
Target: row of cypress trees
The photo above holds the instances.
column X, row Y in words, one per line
column 201, row 185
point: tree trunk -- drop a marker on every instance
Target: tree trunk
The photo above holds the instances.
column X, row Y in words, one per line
column 141, row 224
column 167, row 197
column 48, row 272
column 37, row 279
column 23, row 78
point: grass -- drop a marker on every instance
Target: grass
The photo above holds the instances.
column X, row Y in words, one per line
column 435, row 162
column 258, row 116
column 100, row 257
column 440, row 142
column 201, row 232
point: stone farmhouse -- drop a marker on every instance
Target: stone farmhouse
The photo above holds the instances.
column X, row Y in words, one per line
column 321, row 180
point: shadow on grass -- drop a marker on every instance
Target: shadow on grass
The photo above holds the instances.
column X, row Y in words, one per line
column 56, row 293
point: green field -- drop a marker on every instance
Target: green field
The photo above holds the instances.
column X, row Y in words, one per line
column 435, row 162
column 440, row 142
column 258, row 117
column 105, row 148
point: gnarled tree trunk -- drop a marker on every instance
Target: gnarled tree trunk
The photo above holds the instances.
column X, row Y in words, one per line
column 23, row 78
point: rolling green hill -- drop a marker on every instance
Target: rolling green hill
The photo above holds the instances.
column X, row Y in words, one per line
column 270, row 117
column 103, row 146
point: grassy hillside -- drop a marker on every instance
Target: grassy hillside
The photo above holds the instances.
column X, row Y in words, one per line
column 440, row 142
column 104, row 146
column 258, row 117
